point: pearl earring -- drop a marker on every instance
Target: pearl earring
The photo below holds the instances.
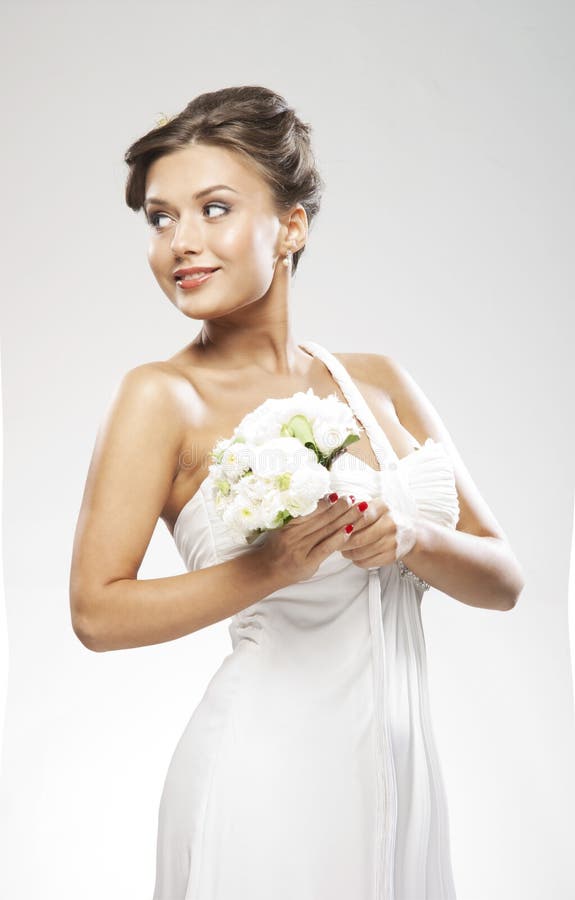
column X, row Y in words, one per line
column 288, row 256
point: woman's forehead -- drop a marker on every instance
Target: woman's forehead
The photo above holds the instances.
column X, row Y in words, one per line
column 193, row 169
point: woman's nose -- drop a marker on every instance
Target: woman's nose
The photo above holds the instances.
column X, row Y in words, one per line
column 187, row 238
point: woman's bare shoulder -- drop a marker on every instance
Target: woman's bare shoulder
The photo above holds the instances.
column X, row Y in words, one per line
column 374, row 369
column 419, row 416
column 161, row 373
column 152, row 400
column 164, row 386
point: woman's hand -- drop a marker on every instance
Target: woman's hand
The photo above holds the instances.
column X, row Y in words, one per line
column 380, row 538
column 297, row 549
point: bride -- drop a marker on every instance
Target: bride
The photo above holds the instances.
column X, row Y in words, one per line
column 309, row 768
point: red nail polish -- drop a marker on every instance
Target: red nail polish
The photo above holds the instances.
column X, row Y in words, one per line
column 349, row 528
column 362, row 506
column 333, row 497
column 352, row 498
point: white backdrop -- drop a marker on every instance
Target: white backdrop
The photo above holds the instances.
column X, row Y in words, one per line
column 446, row 137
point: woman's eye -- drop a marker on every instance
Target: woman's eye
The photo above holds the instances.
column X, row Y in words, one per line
column 154, row 218
column 221, row 206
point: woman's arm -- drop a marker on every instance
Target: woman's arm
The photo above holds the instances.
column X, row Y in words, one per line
column 133, row 465
column 478, row 570
column 473, row 563
column 135, row 613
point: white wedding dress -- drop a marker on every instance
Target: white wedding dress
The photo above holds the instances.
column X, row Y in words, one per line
column 309, row 770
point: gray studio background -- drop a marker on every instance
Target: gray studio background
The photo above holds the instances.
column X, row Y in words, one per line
column 445, row 134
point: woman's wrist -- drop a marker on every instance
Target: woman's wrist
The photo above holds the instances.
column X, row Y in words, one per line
column 410, row 562
column 260, row 571
column 420, row 533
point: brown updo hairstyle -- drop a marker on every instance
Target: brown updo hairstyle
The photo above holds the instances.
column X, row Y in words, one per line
column 251, row 120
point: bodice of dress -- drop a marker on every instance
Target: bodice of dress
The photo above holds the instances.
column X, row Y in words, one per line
column 420, row 484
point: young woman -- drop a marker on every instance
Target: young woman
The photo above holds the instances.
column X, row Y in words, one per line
column 309, row 768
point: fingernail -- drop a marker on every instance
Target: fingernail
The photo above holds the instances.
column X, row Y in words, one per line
column 352, row 498
column 362, row 506
column 333, row 497
column 349, row 528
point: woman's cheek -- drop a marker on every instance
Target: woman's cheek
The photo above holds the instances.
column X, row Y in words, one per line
column 232, row 241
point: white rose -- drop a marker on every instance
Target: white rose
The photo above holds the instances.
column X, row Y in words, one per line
column 236, row 459
column 281, row 455
column 308, row 485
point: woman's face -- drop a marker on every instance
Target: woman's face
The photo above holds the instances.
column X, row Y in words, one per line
column 194, row 223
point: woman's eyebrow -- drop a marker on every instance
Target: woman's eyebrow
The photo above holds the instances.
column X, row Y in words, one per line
column 202, row 193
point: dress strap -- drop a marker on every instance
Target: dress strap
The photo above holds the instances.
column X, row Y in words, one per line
column 379, row 441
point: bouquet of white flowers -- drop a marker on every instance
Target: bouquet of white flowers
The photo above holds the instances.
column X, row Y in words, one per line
column 275, row 466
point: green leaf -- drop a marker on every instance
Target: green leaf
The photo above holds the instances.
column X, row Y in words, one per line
column 299, row 427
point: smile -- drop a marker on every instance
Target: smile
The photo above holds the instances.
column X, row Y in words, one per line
column 191, row 281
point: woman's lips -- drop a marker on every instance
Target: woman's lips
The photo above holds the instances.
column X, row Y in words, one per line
column 187, row 283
